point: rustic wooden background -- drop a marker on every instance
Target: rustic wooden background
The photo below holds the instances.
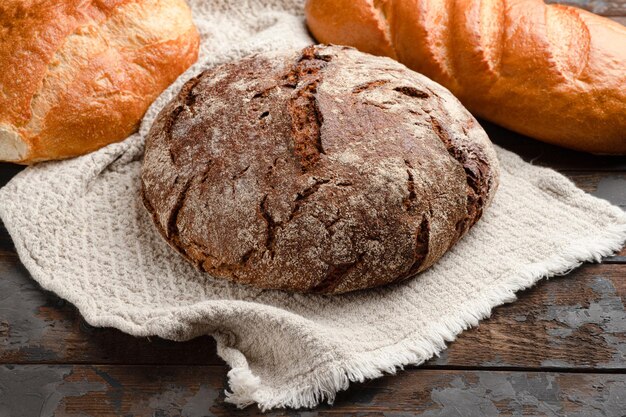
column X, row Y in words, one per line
column 560, row 350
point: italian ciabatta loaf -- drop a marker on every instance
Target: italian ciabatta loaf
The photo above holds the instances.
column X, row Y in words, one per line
column 552, row 72
column 78, row 75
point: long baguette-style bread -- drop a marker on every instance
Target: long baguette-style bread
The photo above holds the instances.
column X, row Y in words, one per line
column 552, row 72
column 79, row 74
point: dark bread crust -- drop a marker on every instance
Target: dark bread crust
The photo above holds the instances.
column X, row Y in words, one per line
column 326, row 170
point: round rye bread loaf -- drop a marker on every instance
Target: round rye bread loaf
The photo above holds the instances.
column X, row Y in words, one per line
column 325, row 170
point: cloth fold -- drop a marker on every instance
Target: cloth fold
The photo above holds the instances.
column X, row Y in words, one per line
column 81, row 230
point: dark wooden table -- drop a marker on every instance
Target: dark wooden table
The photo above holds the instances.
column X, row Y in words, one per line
column 559, row 350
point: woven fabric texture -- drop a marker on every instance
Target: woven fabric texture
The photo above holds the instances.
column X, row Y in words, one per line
column 81, row 230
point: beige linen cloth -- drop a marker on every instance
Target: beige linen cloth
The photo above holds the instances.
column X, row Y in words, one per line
column 81, row 230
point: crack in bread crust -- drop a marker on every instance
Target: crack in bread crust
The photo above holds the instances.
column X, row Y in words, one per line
column 335, row 275
column 271, row 226
column 411, row 92
column 304, row 194
column 306, row 118
column 369, row 85
column 477, row 172
column 411, row 198
column 422, row 238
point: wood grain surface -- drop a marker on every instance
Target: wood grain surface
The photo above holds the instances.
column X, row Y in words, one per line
column 36, row 326
column 168, row 391
column 577, row 321
column 609, row 8
column 559, row 350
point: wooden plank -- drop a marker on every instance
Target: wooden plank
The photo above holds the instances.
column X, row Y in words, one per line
column 485, row 393
column 608, row 185
column 572, row 322
column 103, row 391
column 619, row 258
column 601, row 7
column 543, row 154
column 108, row 391
column 36, row 326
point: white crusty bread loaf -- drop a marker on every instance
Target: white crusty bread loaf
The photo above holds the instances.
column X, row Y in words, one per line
column 78, row 75
column 552, row 72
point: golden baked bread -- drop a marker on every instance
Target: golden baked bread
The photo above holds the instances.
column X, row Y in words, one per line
column 552, row 72
column 79, row 74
